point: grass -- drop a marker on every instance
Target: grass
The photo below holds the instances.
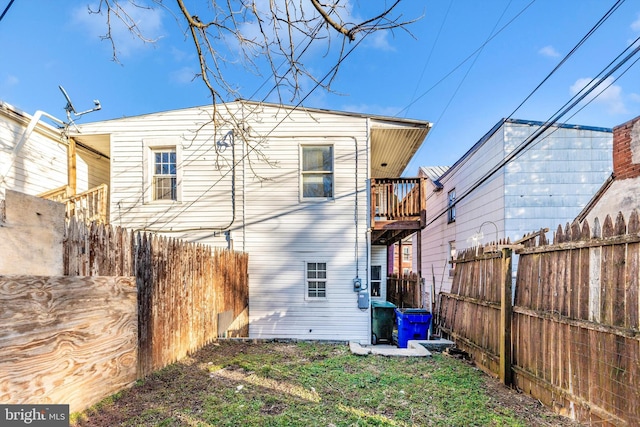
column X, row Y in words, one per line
column 304, row 384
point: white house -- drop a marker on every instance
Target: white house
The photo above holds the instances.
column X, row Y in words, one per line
column 290, row 186
column 35, row 156
column 482, row 197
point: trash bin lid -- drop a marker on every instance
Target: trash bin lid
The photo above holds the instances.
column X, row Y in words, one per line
column 382, row 304
column 413, row 311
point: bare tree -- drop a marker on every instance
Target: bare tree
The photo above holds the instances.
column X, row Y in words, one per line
column 262, row 35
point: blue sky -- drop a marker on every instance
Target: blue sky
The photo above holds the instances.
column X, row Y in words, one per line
column 465, row 65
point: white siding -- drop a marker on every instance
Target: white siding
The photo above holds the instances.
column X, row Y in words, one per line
column 278, row 230
column 205, row 206
column 41, row 163
column 283, row 232
column 546, row 185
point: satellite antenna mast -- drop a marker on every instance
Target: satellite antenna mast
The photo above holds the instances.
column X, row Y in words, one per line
column 69, row 108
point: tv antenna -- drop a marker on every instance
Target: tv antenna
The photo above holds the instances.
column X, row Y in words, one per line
column 69, row 108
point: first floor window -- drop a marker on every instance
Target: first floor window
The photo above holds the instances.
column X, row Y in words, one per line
column 316, row 279
column 317, row 171
column 376, row 280
column 164, row 174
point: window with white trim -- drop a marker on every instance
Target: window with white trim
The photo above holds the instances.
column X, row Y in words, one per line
column 164, row 180
column 316, row 280
column 317, row 171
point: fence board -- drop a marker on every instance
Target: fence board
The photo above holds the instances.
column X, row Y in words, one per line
column 576, row 332
column 181, row 286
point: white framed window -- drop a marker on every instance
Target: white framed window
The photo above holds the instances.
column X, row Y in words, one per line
column 451, row 212
column 316, row 168
column 316, row 280
column 162, row 171
column 164, row 181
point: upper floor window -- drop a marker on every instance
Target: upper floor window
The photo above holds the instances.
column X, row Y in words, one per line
column 164, row 174
column 317, row 171
column 451, row 212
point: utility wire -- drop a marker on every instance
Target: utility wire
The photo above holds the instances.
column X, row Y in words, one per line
column 446, row 107
column 568, row 106
column 606, row 16
column 286, row 116
column 424, row 69
column 567, row 56
column 454, row 69
column 6, row 9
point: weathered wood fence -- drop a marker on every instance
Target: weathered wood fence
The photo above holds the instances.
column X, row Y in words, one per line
column 405, row 291
column 182, row 287
column 575, row 324
column 87, row 334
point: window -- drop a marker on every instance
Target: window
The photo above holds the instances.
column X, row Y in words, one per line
column 316, row 280
column 317, row 171
column 451, row 213
column 406, row 253
column 164, row 175
column 376, row 280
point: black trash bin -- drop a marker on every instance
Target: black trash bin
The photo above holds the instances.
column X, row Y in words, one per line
column 382, row 321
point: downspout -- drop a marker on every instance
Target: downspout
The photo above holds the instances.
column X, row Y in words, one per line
column 226, row 228
column 24, row 138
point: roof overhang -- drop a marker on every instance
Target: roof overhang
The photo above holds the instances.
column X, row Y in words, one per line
column 393, row 145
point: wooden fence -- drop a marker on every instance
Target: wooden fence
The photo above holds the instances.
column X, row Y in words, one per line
column 575, row 324
column 182, row 287
column 405, row 291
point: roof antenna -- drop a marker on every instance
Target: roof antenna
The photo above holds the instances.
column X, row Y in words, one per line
column 69, row 108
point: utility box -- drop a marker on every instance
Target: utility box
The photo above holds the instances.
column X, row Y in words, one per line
column 382, row 321
column 413, row 324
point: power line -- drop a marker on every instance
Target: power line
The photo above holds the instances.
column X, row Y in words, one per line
column 424, row 69
column 252, row 149
column 575, row 48
column 467, row 58
column 6, row 9
column 568, row 106
column 455, row 92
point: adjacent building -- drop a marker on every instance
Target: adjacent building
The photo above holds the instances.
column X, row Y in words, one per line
column 521, row 176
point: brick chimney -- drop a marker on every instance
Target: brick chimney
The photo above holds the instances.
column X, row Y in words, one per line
column 626, row 149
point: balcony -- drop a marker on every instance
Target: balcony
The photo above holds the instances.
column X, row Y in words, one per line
column 397, row 208
column 87, row 207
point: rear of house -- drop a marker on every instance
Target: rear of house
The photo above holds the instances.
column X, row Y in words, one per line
column 289, row 186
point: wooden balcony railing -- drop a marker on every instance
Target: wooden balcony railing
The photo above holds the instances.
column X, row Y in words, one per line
column 88, row 206
column 397, row 204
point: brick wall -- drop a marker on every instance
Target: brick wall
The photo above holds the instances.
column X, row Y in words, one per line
column 626, row 149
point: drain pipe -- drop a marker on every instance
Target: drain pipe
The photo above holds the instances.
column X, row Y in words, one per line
column 24, row 138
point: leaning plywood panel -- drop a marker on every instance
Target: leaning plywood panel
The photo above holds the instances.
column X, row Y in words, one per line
column 66, row 340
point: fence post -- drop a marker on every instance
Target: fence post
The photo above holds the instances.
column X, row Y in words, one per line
column 505, row 319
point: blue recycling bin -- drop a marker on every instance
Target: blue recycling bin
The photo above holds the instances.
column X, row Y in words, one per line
column 413, row 324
